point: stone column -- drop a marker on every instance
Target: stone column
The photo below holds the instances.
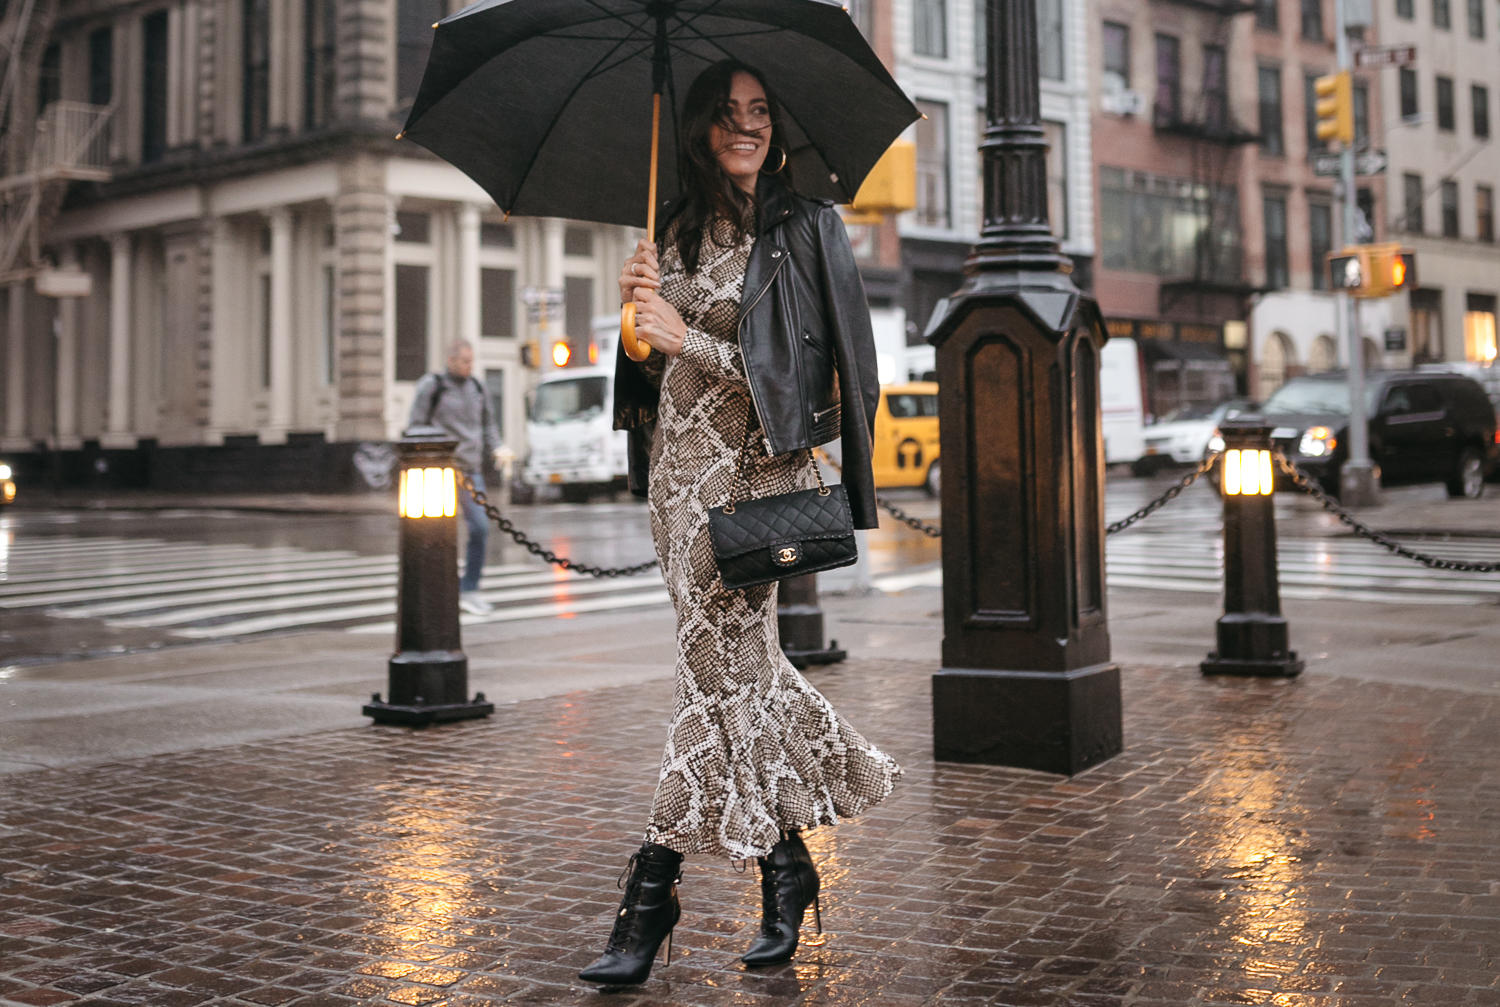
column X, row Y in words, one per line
column 468, row 273
column 15, row 366
column 117, row 415
column 361, row 216
column 552, row 279
column 281, row 323
column 65, row 426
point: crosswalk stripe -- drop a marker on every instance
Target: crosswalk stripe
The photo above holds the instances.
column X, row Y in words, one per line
column 166, row 564
column 126, row 586
column 554, row 609
column 262, row 624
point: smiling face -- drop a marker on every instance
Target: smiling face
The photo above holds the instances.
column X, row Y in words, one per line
column 741, row 140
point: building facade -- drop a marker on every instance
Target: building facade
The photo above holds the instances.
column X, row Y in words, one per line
column 270, row 270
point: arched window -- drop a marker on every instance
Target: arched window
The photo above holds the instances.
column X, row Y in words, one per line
column 1276, row 357
column 1324, row 355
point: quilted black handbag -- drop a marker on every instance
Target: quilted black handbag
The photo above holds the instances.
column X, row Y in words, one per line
column 771, row 538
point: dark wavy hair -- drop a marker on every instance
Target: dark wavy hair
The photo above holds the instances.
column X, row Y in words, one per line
column 707, row 191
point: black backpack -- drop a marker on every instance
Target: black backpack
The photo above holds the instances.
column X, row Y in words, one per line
column 442, row 386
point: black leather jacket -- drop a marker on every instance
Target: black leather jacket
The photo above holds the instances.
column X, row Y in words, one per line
column 805, row 338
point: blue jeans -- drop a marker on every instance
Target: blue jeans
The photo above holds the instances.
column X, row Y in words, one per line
column 478, row 523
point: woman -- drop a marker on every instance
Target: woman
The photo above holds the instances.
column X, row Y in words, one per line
column 761, row 350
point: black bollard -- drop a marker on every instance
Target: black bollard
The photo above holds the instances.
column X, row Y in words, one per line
column 429, row 673
column 1026, row 678
column 799, row 620
column 1252, row 635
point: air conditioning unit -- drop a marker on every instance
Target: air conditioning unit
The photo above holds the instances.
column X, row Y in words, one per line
column 1123, row 102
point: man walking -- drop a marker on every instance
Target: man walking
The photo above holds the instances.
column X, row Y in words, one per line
column 457, row 402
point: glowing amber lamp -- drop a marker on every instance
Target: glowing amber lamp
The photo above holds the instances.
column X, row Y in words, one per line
column 561, row 354
column 1247, row 472
column 428, row 492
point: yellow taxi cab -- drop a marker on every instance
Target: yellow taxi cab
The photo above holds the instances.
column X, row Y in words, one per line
column 906, row 437
column 7, row 485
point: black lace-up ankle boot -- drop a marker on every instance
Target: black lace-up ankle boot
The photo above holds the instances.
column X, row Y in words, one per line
column 648, row 912
column 788, row 885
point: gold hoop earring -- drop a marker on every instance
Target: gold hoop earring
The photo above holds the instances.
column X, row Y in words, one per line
column 778, row 168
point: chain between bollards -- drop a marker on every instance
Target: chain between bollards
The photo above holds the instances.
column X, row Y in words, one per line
column 542, row 552
column 930, row 530
column 1309, row 486
column 1170, row 495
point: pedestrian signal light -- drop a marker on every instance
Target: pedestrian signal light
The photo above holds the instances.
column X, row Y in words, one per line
column 890, row 187
column 531, row 353
column 1372, row 270
column 561, row 354
column 1335, row 107
column 428, row 492
column 1247, row 473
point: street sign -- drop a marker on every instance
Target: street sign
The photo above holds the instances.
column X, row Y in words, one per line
column 542, row 303
column 1366, row 162
column 1395, row 55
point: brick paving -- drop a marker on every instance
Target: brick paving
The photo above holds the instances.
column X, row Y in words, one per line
column 1318, row 842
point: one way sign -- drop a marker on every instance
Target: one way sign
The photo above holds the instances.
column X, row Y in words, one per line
column 1366, row 162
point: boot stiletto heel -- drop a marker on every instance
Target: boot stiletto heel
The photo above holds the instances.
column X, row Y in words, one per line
column 649, row 912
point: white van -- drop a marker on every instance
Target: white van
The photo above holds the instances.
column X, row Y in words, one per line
column 569, row 416
column 1122, row 401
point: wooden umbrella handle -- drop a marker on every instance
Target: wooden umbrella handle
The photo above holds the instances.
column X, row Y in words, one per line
column 634, row 348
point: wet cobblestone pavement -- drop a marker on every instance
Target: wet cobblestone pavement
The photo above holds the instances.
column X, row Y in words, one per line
column 1319, row 842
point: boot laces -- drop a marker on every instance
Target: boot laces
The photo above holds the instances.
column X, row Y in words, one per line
column 630, row 880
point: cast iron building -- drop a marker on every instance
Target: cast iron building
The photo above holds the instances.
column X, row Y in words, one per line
column 271, row 270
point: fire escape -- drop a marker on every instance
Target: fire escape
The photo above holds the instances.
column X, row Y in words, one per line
column 42, row 150
column 1215, row 139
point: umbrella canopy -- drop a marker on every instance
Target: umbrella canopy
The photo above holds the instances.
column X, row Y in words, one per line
column 547, row 104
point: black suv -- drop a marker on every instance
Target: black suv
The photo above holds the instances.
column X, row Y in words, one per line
column 1424, row 427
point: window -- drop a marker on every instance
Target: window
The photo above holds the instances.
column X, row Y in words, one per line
column 49, row 77
column 255, row 69
column 101, row 66
column 1116, row 58
column 411, row 322
column 1312, row 20
column 494, row 384
column 413, row 228
column 1406, row 9
column 1479, row 101
column 497, row 235
column 1215, row 88
column 1168, row 81
column 1268, row 83
column 578, row 307
column 981, row 37
column 932, row 165
column 414, row 20
column 1426, row 323
column 1320, row 240
column 265, row 330
column 1168, row 226
column 929, row 29
column 1450, row 209
column 154, row 86
column 1361, row 96
column 330, row 320
column 1440, row 16
column 1310, row 110
column 1408, row 92
column 1364, row 215
column 1266, row 15
column 497, row 302
column 1057, row 177
column 578, row 241
column 1444, row 90
column 1412, row 191
column 1049, row 39
column 1274, row 214
column 1484, row 213
column 320, row 22
column 1479, row 328
column 1476, row 18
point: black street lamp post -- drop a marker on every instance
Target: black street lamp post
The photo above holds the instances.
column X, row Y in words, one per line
column 429, row 673
column 799, row 621
column 1252, row 634
column 1026, row 678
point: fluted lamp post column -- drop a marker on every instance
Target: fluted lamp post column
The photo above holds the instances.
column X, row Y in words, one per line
column 428, row 680
column 1026, row 678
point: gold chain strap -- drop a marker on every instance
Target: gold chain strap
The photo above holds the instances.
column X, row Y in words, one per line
column 739, row 468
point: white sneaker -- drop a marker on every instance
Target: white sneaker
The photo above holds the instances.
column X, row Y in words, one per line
column 471, row 602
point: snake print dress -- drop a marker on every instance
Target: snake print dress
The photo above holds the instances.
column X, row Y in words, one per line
column 752, row 748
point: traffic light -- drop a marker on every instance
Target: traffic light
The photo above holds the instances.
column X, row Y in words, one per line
column 1372, row 270
column 531, row 354
column 1335, row 107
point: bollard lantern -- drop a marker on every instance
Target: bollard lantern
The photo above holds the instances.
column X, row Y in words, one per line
column 799, row 622
column 428, row 674
column 1252, row 635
